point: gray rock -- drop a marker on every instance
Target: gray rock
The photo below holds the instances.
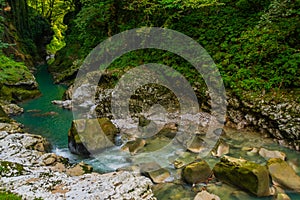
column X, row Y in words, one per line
column 67, row 104
column 25, row 174
column 267, row 154
column 91, row 135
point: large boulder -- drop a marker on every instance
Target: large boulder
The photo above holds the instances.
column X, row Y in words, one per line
column 196, row 172
column 283, row 174
column 91, row 135
column 247, row 175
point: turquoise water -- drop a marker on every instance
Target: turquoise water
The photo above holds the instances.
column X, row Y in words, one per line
column 36, row 116
column 55, row 126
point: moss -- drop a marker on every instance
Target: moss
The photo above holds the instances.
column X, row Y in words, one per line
column 12, row 71
column 7, row 167
column 3, row 116
column 87, row 168
column 7, row 195
column 17, row 94
column 244, row 174
column 196, row 172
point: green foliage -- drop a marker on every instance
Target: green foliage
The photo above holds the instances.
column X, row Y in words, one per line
column 254, row 43
column 12, row 72
column 2, row 44
column 54, row 11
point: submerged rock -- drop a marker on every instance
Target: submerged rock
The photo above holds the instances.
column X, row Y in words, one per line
column 283, row 174
column 196, row 172
column 169, row 130
column 184, row 159
column 134, row 146
column 203, row 195
column 166, row 191
column 244, row 174
column 197, row 145
column 221, row 148
column 158, row 175
column 91, row 135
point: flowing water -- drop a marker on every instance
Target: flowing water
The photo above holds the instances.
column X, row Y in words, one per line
column 43, row 118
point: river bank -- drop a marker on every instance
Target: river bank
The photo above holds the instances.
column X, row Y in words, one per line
column 28, row 170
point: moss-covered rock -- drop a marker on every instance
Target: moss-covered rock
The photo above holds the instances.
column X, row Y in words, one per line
column 3, row 116
column 283, row 174
column 91, row 135
column 8, row 169
column 16, row 81
column 166, row 191
column 247, row 175
column 184, row 159
column 196, row 172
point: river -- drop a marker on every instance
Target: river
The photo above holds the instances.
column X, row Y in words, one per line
column 41, row 117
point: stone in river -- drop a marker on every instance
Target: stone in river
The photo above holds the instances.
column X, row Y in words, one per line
column 283, row 174
column 244, row 174
column 220, row 149
column 184, row 159
column 159, row 175
column 197, row 145
column 134, row 146
column 196, row 172
column 271, row 154
column 166, row 191
column 91, row 135
column 204, row 195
